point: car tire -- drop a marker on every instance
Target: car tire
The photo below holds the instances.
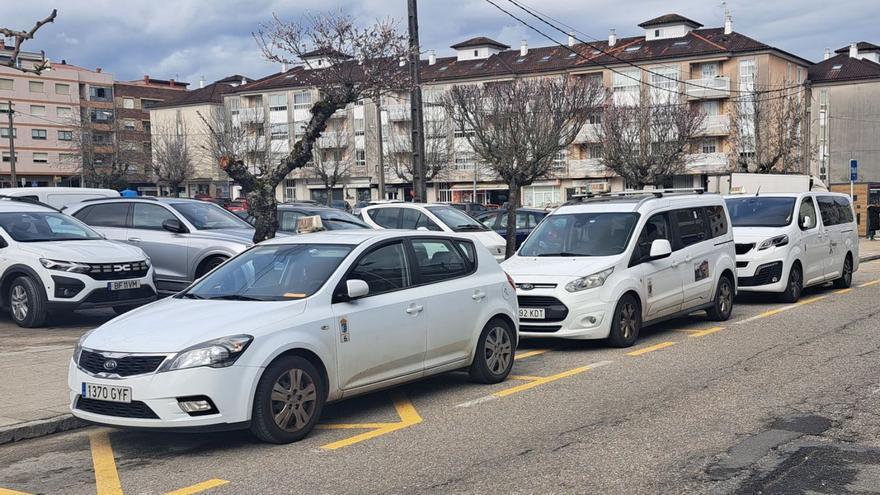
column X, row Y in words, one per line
column 285, row 417
column 846, row 274
column 495, row 353
column 27, row 303
column 626, row 322
column 722, row 306
column 795, row 286
column 209, row 264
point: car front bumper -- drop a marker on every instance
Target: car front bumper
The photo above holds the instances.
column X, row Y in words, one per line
column 762, row 273
column 586, row 316
column 69, row 291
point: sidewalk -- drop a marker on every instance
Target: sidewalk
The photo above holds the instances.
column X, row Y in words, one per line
column 869, row 250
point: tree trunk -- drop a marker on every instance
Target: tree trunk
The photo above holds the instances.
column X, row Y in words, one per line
column 512, row 205
column 329, row 189
column 263, row 206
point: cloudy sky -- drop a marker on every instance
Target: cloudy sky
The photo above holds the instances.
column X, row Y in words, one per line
column 187, row 39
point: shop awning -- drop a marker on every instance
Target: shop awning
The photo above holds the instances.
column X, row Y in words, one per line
column 480, row 187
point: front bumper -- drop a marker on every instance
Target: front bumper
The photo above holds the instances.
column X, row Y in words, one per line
column 69, row 291
column 229, row 389
column 761, row 274
column 585, row 315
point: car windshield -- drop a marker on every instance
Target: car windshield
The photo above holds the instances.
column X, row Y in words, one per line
column 208, row 216
column 456, row 220
column 272, row 273
column 339, row 220
column 761, row 211
column 581, row 234
column 44, row 227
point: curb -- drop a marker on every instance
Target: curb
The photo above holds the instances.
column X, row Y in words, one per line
column 866, row 259
column 39, row 428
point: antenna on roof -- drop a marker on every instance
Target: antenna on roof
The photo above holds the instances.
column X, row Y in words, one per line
column 758, row 191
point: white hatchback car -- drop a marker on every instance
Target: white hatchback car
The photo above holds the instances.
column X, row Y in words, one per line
column 788, row 241
column 267, row 338
column 604, row 267
column 433, row 217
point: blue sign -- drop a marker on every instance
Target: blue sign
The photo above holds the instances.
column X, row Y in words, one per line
column 853, row 170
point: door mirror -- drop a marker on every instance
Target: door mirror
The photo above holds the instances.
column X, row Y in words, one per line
column 174, row 225
column 807, row 223
column 356, row 288
column 660, row 249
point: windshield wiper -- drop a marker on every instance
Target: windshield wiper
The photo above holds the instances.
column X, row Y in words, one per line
column 190, row 295
column 234, row 297
column 561, row 254
column 469, row 227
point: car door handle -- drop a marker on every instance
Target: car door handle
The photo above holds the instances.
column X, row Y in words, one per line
column 134, row 239
column 478, row 295
column 414, row 309
column 833, row 243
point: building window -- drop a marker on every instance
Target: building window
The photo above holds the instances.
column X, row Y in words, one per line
column 302, row 100
column 708, row 70
column 464, row 160
column 594, row 151
column 7, row 84
column 67, row 158
column 148, row 148
column 360, row 158
column 234, row 105
column 64, row 112
column 664, row 85
column 101, row 138
column 38, row 134
column 596, row 118
column 658, row 33
column 62, row 89
column 36, row 87
column 626, row 84
column 289, row 190
column 146, row 126
column 145, row 103
column 129, row 125
column 278, row 103
column 6, row 156
column 65, row 135
column 711, row 107
column 280, row 132
column 709, row 145
column 101, row 116
column 128, row 103
column 98, row 93
column 41, row 157
column 4, row 132
column 560, row 159
column 541, row 196
column 358, row 127
column 38, row 110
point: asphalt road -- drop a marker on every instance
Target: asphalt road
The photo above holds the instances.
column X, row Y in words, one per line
column 781, row 399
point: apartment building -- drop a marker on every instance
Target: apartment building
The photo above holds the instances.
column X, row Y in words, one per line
column 133, row 101
column 48, row 109
column 845, row 111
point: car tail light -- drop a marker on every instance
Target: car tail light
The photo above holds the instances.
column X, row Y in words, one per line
column 510, row 281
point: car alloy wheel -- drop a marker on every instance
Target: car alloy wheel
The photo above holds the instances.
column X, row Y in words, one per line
column 725, row 297
column 498, row 350
column 627, row 320
column 294, row 397
column 794, row 284
column 18, row 301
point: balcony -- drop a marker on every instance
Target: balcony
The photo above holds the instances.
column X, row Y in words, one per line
column 333, row 139
column 397, row 113
column 708, row 163
column 590, row 167
column 252, row 115
column 589, row 133
column 715, row 125
column 713, row 87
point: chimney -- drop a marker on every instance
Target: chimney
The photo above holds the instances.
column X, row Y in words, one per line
column 243, row 81
column 728, row 24
column 284, row 67
column 98, row 70
column 612, row 37
column 571, row 39
column 171, row 82
column 432, row 57
column 853, row 50
column 202, row 82
column 827, row 54
column 146, row 79
column 523, row 48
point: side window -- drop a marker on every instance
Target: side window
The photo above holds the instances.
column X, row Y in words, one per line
column 384, row 269
column 522, row 220
column 828, row 210
column 149, row 217
column 489, row 221
column 807, row 209
column 717, row 221
column 438, row 260
column 469, row 252
column 386, row 217
column 844, row 209
column 288, row 220
column 691, row 226
column 536, row 218
column 106, row 215
column 657, row 227
column 412, row 219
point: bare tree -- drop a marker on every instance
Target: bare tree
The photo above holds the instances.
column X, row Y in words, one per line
column 20, row 37
column 397, row 151
column 98, row 155
column 517, row 128
column 172, row 163
column 767, row 132
column 331, row 161
column 646, row 141
column 356, row 63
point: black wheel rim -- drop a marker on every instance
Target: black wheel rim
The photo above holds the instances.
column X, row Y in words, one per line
column 794, row 283
column 628, row 321
column 847, row 271
column 725, row 297
column 293, row 400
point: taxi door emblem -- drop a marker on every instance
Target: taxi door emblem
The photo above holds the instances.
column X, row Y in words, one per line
column 343, row 330
column 650, row 287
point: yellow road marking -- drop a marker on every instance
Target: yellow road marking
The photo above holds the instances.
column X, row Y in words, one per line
column 772, row 312
column 528, row 354
column 405, row 410
column 106, row 477
column 200, row 487
column 539, row 381
column 843, row 291
column 523, row 377
column 872, row 282
column 702, row 333
column 645, row 350
column 6, row 491
column 810, row 300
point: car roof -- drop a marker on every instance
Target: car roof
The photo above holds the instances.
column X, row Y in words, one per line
column 355, row 237
column 12, row 206
column 785, row 194
column 636, row 202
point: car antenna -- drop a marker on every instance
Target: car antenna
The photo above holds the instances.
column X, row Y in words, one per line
column 758, row 191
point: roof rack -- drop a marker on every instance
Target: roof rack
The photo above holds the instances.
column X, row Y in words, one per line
column 119, row 198
column 32, row 201
column 645, row 194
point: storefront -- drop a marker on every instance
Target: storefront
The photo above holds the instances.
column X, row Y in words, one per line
column 462, row 192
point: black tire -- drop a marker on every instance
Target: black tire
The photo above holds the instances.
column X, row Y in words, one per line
column 121, row 310
column 723, row 304
column 27, row 303
column 306, row 397
column 845, row 279
column 795, row 286
column 209, row 264
column 626, row 322
column 495, row 353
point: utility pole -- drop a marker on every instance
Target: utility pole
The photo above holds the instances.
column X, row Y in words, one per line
column 10, row 113
column 381, row 171
column 418, row 126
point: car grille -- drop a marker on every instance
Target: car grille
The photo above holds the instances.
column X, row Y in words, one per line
column 110, row 296
column 743, row 248
column 93, row 362
column 554, row 309
column 764, row 275
column 118, row 271
column 133, row 409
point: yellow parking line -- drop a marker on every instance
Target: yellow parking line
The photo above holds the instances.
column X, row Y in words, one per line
column 645, row 350
column 405, row 410
column 702, row 333
column 524, row 377
column 106, row 477
column 351, row 426
column 6, row 491
column 868, row 284
column 539, row 381
column 528, row 354
column 843, row 291
column 205, row 485
column 811, row 300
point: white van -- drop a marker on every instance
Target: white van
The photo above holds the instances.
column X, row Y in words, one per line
column 603, row 267
column 58, row 197
column 788, row 241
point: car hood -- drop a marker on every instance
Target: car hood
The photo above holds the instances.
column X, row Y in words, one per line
column 95, row 251
column 171, row 325
column 242, row 235
column 746, row 235
column 488, row 238
column 529, row 269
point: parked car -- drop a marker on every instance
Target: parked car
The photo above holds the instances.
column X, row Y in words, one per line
column 221, row 202
column 59, row 197
column 472, row 209
column 237, row 205
column 242, row 350
column 341, row 204
column 363, row 204
column 788, row 241
column 603, row 268
column 435, row 217
column 51, row 262
column 331, row 218
column 185, row 238
column 526, row 220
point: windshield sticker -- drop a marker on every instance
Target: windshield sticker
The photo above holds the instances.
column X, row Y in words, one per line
column 701, row 270
column 343, row 330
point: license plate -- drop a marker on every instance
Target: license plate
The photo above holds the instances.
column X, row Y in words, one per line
column 124, row 284
column 110, row 393
column 531, row 313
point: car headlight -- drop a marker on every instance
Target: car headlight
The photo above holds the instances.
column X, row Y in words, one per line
column 218, row 353
column 590, row 281
column 780, row 240
column 77, row 350
column 65, row 266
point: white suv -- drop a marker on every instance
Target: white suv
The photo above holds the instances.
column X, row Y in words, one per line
column 51, row 262
column 788, row 241
column 603, row 267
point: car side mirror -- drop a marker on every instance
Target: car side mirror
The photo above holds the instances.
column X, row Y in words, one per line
column 660, row 249
column 356, row 288
column 807, row 223
column 174, row 225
